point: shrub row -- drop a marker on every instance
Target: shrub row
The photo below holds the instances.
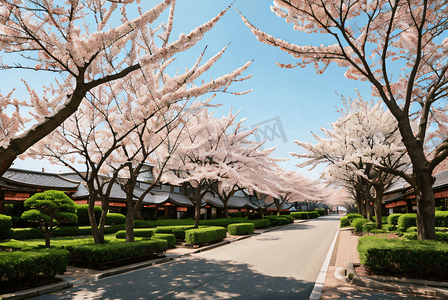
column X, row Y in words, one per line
column 26, row 265
column 111, row 251
column 395, row 256
column 241, row 229
column 303, row 215
column 140, row 232
column 357, row 224
column 205, row 235
column 392, row 219
column 178, row 231
column 168, row 237
column 440, row 236
column 279, row 220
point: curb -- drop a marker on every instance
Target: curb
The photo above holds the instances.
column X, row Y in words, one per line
column 67, row 283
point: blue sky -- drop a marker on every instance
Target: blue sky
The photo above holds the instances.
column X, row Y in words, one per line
column 297, row 99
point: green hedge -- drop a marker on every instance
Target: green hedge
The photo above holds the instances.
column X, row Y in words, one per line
column 24, row 265
column 259, row 223
column 169, row 237
column 5, row 223
column 111, row 251
column 241, row 229
column 354, row 216
column 26, row 233
column 368, row 227
column 397, row 257
column 392, row 219
column 178, row 231
column 82, row 211
column 344, row 222
column 383, row 219
column 440, row 236
column 441, row 218
column 73, row 230
column 299, row 215
column 405, row 221
column 321, row 211
column 312, row 214
column 138, row 232
column 357, row 224
column 205, row 235
column 115, row 219
column 389, row 227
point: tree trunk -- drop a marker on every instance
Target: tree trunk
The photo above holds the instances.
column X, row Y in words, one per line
column 97, row 237
column 197, row 213
column 379, row 206
column 129, row 220
column 226, row 210
column 138, row 211
column 425, row 207
column 279, row 210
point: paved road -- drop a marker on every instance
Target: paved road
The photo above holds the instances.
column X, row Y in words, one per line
column 280, row 264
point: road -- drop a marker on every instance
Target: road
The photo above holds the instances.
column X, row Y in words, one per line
column 280, row 264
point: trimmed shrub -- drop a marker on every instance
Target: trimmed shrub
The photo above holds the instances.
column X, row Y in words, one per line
column 114, row 228
column 142, row 232
column 143, row 224
column 299, row 215
column 82, row 211
column 224, row 222
column 111, row 251
column 344, row 222
column 290, row 219
column 441, row 218
column 313, row 214
column 241, row 229
column 73, row 230
column 368, row 227
column 259, row 223
column 357, row 224
column 389, row 227
column 354, row 216
column 178, row 231
column 26, row 233
column 205, row 235
column 321, row 211
column 115, row 219
column 21, row 266
column 405, row 221
column 398, row 257
column 170, row 238
column 393, row 219
column 5, row 223
column 238, row 214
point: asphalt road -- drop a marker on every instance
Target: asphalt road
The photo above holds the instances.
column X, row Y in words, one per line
column 280, row 264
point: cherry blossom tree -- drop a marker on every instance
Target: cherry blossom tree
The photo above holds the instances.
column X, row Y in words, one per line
column 213, row 154
column 363, row 143
column 74, row 40
column 399, row 47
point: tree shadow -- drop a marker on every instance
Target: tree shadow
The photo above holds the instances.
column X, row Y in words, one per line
column 191, row 278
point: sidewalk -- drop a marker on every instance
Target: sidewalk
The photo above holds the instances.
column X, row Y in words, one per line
column 363, row 286
column 75, row 276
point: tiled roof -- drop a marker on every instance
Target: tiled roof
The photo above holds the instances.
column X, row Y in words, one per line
column 234, row 202
column 39, row 180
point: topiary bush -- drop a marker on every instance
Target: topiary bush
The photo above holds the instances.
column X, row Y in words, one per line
column 241, row 229
column 321, row 211
column 312, row 214
column 393, row 219
column 115, row 219
column 48, row 210
column 357, row 224
column 205, row 235
column 259, row 223
column 405, row 221
column 140, row 232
